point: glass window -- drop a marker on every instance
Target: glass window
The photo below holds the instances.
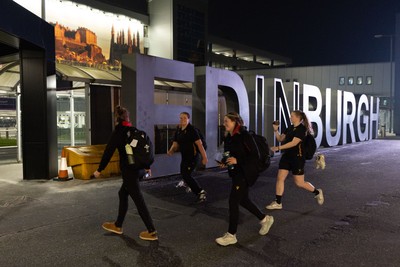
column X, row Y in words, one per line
column 369, row 80
column 350, row 80
column 163, row 137
column 341, row 81
column 359, row 80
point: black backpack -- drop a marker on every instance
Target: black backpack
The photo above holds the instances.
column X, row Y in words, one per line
column 142, row 148
column 310, row 146
column 202, row 138
column 264, row 159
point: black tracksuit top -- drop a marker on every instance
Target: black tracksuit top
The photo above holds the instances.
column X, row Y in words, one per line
column 117, row 141
column 243, row 147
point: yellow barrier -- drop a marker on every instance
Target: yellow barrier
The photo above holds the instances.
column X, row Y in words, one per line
column 84, row 161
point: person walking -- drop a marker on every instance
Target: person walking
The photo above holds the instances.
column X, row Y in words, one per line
column 130, row 178
column 187, row 140
column 240, row 157
column 293, row 159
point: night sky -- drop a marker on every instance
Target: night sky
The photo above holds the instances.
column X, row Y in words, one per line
column 310, row 32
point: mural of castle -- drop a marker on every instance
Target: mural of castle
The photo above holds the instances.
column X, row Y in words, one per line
column 77, row 45
column 118, row 46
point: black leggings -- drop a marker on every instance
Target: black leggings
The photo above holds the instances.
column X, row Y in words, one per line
column 187, row 168
column 130, row 187
column 240, row 196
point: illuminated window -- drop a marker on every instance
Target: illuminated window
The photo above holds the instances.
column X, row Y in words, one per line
column 369, row 80
column 359, row 80
column 350, row 81
column 341, row 81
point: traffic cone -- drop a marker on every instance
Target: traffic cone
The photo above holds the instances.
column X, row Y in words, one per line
column 63, row 171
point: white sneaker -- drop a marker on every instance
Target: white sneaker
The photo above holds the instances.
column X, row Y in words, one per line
column 274, row 206
column 202, row 196
column 266, row 224
column 320, row 197
column 181, row 184
column 226, row 240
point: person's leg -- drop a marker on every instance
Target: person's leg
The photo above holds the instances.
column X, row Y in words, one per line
column 235, row 198
column 284, row 167
column 116, row 227
column 280, row 187
column 133, row 188
column 249, row 205
column 123, row 205
column 280, row 181
column 187, row 168
column 299, row 181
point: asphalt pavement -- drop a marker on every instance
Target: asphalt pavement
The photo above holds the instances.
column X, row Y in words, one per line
column 49, row 223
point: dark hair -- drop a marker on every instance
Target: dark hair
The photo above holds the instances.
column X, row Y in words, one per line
column 185, row 113
column 304, row 120
column 121, row 114
column 234, row 116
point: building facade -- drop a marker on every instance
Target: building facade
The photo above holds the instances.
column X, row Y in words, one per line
column 89, row 79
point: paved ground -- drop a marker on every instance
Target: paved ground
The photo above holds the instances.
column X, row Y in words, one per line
column 47, row 223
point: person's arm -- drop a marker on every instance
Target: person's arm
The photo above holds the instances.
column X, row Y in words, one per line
column 290, row 144
column 279, row 137
column 203, row 153
column 173, row 148
column 108, row 153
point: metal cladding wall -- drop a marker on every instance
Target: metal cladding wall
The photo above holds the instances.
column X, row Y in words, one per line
column 396, row 117
column 34, row 39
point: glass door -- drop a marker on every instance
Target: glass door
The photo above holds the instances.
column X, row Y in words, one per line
column 71, row 118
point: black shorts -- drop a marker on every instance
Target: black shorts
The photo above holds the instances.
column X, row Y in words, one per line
column 291, row 163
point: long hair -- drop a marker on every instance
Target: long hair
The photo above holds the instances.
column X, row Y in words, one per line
column 234, row 116
column 304, row 121
column 121, row 114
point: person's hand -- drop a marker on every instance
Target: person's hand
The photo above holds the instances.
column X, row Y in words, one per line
column 204, row 161
column 221, row 165
column 231, row 161
column 148, row 172
column 276, row 127
column 96, row 174
column 170, row 152
column 275, row 148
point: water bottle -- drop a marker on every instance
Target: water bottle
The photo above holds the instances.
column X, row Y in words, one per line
column 129, row 153
column 226, row 155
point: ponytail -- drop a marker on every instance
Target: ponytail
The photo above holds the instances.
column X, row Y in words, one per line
column 305, row 121
column 121, row 114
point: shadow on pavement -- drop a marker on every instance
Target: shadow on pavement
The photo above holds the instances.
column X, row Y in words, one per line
column 151, row 255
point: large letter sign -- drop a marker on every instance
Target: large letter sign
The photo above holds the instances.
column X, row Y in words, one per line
column 362, row 119
column 352, row 117
column 356, row 118
column 333, row 140
column 137, row 94
column 310, row 91
column 205, row 101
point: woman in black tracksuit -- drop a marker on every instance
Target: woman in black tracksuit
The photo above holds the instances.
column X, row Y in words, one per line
column 130, row 178
column 241, row 167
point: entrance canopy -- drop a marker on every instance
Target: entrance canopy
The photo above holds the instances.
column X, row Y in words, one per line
column 10, row 77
